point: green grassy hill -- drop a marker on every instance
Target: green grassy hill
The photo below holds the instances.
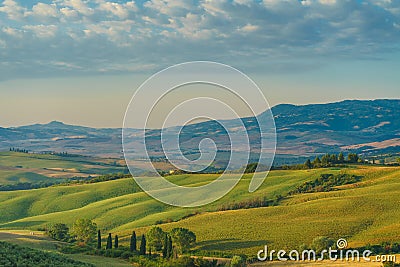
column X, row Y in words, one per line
column 365, row 212
column 18, row 167
column 41, row 242
column 116, row 203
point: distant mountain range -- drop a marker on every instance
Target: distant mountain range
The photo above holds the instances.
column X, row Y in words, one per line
column 362, row 126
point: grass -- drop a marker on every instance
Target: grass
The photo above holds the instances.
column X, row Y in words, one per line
column 100, row 261
column 41, row 242
column 365, row 212
column 22, row 167
column 120, row 204
column 25, row 238
column 12, row 176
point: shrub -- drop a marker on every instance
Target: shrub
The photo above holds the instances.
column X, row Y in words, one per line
column 58, row 231
column 84, row 230
column 237, row 261
column 15, row 255
column 322, row 242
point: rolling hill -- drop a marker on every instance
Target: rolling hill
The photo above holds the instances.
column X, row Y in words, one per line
column 364, row 212
column 16, row 167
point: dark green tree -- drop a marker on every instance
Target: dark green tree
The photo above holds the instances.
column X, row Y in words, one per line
column 84, row 230
column 58, row 231
column 165, row 247
column 98, row 239
column 317, row 162
column 325, row 160
column 169, row 248
column 109, row 242
column 143, row 246
column 133, row 246
column 341, row 157
column 154, row 238
column 334, row 159
column 352, row 158
column 251, row 168
column 183, row 239
column 116, row 242
column 322, row 242
column 308, row 164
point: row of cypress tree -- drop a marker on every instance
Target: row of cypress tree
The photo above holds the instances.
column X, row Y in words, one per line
column 109, row 241
column 167, row 250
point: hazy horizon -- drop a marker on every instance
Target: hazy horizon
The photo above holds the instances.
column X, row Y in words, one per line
column 302, row 104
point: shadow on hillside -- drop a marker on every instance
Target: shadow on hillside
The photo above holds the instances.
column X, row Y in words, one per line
column 229, row 244
column 33, row 236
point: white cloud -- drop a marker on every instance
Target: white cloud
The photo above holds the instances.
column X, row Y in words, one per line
column 13, row 32
column 243, row 2
column 306, row 2
column 13, row 10
column 119, row 10
column 99, row 33
column 249, row 28
column 43, row 10
column 327, row 2
column 69, row 13
column 169, row 7
column 80, row 6
column 215, row 8
column 42, row 31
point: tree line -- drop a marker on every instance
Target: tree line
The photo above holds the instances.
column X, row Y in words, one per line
column 13, row 149
column 85, row 236
column 326, row 161
column 325, row 183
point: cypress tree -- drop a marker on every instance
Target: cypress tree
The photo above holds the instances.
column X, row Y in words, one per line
column 109, row 242
column 169, row 248
column 165, row 247
column 143, row 246
column 308, row 164
column 116, row 241
column 341, row 157
column 98, row 239
column 317, row 162
column 133, row 246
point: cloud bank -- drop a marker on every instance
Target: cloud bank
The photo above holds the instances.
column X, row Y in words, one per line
column 64, row 37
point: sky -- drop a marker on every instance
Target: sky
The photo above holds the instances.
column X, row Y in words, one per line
column 80, row 61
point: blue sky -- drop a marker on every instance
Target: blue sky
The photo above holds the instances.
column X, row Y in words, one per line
column 61, row 54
